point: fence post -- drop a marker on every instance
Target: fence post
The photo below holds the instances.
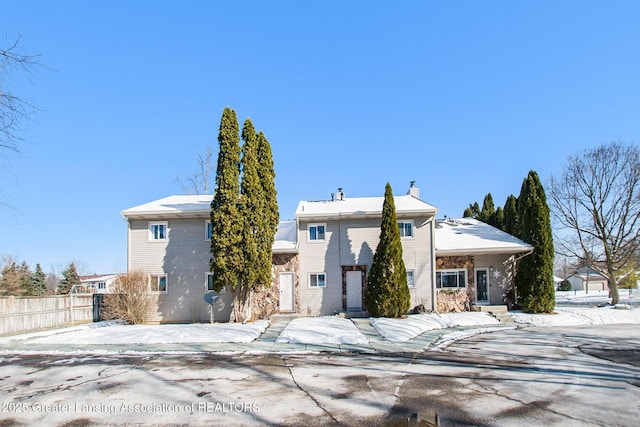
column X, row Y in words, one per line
column 71, row 305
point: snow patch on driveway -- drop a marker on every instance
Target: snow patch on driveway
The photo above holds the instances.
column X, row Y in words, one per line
column 322, row 330
column 409, row 327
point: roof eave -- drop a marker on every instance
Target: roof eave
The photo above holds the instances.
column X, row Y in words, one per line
column 482, row 251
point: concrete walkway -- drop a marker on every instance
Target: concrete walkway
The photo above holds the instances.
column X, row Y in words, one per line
column 265, row 343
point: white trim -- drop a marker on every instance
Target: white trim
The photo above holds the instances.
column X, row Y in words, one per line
column 324, row 233
column 207, row 223
column 452, row 270
column 407, row 221
column 413, row 275
column 151, row 235
column 206, row 282
column 317, row 286
column 166, row 282
column 475, row 281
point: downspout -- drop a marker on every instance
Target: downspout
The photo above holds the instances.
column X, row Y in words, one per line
column 432, row 247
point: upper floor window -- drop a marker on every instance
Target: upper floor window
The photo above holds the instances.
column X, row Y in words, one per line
column 102, row 285
column 157, row 231
column 316, row 232
column 451, row 279
column 410, row 278
column 208, row 230
column 158, row 283
column 406, row 229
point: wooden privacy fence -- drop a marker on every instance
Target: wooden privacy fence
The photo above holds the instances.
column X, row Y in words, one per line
column 24, row 314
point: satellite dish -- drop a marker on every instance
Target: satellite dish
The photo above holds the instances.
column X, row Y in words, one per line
column 211, row 297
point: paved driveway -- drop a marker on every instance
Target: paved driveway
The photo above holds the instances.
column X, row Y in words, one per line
column 530, row 376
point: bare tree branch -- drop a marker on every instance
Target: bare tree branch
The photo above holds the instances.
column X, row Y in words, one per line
column 14, row 110
column 596, row 208
column 200, row 181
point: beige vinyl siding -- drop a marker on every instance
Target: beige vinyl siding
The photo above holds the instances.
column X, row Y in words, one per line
column 351, row 242
column 184, row 258
column 500, row 275
column 320, row 257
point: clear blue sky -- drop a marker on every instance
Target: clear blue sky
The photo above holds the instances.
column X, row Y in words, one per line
column 463, row 97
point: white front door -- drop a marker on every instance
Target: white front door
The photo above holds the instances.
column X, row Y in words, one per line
column 354, row 290
column 482, row 286
column 287, row 292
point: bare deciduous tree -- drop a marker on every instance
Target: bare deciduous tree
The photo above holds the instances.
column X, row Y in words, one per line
column 200, row 181
column 14, row 110
column 596, row 205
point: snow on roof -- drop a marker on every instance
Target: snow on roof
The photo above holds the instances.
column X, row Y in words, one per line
column 172, row 206
column 470, row 236
column 360, row 206
column 98, row 278
column 285, row 239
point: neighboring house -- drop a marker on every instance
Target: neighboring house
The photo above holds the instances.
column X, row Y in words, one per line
column 322, row 258
column 99, row 283
column 587, row 279
column 475, row 263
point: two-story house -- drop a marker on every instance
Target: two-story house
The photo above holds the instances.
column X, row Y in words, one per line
column 322, row 258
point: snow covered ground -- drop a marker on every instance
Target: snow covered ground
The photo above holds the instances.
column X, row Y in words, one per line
column 627, row 296
column 402, row 330
column 113, row 333
column 322, row 330
column 573, row 316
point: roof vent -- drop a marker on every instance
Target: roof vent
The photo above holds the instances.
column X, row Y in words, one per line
column 340, row 195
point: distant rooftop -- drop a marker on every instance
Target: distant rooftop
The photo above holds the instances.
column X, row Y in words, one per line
column 473, row 237
column 361, row 206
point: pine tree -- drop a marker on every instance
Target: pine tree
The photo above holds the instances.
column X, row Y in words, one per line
column 534, row 277
column 270, row 213
column 226, row 223
column 510, row 223
column 24, row 273
column 488, row 209
column 497, row 219
column 387, row 293
column 10, row 282
column 472, row 211
column 38, row 282
column 69, row 278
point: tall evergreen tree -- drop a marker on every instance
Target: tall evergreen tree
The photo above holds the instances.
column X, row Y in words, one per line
column 270, row 213
column 510, row 222
column 226, row 223
column 251, row 211
column 488, row 209
column 69, row 278
column 497, row 219
column 387, row 293
column 534, row 277
column 38, row 282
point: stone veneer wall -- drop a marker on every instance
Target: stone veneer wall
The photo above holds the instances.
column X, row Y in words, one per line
column 456, row 300
column 266, row 301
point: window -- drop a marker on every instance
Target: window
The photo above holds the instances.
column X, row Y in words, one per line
column 410, row 278
column 406, row 229
column 209, row 284
column 102, row 285
column 158, row 283
column 208, row 230
column 316, row 232
column 317, row 280
column 157, row 231
column 451, row 279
